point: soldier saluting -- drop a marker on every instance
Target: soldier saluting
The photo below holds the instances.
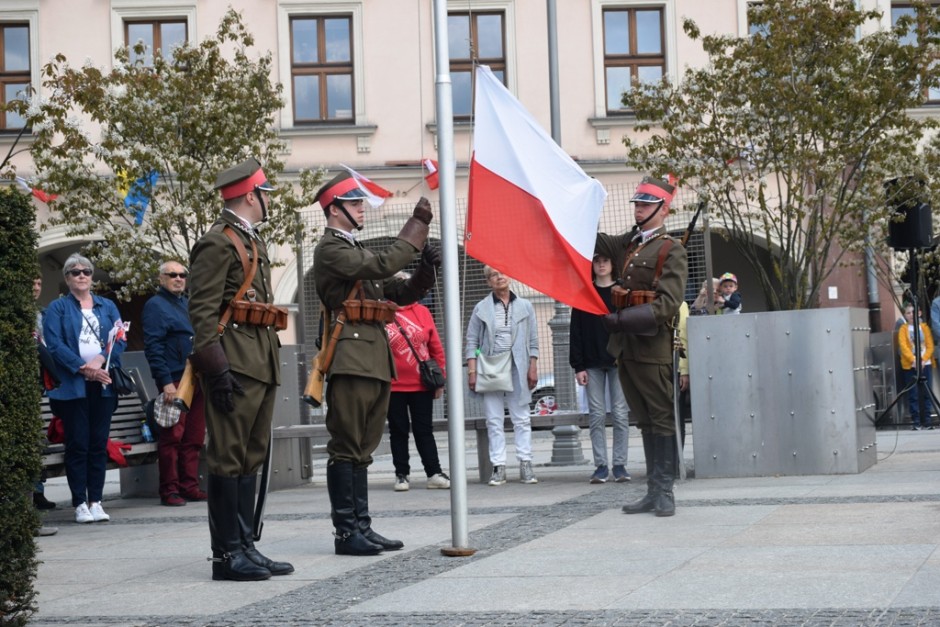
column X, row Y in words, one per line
column 236, row 353
column 651, row 268
column 359, row 288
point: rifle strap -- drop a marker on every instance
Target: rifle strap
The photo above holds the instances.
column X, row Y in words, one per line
column 328, row 346
column 248, row 271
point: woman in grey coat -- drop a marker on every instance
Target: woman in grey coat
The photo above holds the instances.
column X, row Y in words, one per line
column 500, row 322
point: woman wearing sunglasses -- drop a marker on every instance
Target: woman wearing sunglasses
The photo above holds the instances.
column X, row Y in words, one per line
column 76, row 328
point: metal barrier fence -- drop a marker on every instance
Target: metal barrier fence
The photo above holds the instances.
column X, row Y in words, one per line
column 555, row 390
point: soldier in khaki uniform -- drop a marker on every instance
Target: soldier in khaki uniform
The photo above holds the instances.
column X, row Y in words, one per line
column 652, row 268
column 239, row 368
column 359, row 378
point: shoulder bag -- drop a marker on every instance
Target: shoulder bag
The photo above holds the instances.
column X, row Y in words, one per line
column 122, row 381
column 432, row 377
column 494, row 372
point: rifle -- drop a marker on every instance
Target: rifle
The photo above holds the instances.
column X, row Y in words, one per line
column 186, row 388
column 678, row 350
column 313, row 393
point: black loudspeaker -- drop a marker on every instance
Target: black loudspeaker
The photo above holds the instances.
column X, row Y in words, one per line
column 911, row 226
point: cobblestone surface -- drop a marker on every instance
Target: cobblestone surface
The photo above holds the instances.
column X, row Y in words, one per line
column 327, row 602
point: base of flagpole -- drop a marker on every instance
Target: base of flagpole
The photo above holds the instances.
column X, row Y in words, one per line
column 456, row 551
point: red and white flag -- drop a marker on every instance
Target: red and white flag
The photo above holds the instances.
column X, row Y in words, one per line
column 376, row 193
column 35, row 191
column 432, row 177
column 532, row 211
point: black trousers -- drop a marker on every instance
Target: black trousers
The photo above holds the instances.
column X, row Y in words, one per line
column 420, row 405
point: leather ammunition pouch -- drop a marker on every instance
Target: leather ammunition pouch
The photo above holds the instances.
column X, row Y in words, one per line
column 630, row 298
column 623, row 298
column 259, row 314
column 369, row 311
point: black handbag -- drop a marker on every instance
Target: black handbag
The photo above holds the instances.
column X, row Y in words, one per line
column 432, row 377
column 122, row 381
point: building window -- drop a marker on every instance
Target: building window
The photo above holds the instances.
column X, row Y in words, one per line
column 474, row 37
column 634, row 50
column 322, row 75
column 163, row 35
column 931, row 94
column 14, row 69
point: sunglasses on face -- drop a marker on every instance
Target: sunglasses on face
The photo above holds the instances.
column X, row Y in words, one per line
column 175, row 275
column 86, row 272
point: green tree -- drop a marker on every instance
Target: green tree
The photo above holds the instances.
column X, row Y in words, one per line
column 20, row 425
column 789, row 134
column 185, row 115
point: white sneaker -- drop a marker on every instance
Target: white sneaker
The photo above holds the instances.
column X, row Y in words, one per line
column 82, row 515
column 440, row 481
column 401, row 483
column 97, row 513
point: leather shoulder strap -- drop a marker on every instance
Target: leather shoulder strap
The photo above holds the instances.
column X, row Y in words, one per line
column 248, row 271
column 661, row 260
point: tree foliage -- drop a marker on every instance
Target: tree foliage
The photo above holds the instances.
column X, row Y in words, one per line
column 790, row 133
column 20, row 424
column 186, row 115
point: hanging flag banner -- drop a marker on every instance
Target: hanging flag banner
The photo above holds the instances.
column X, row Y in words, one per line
column 138, row 195
column 35, row 191
column 432, row 178
column 532, row 212
column 376, row 194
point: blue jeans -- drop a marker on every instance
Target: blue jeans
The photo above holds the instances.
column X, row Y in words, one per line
column 913, row 397
column 87, row 422
column 600, row 383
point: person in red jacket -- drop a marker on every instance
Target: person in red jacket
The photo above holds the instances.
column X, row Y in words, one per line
column 409, row 395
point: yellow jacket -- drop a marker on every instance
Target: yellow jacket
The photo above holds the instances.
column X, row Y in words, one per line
column 906, row 346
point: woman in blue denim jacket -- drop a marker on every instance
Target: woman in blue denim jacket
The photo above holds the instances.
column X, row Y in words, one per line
column 76, row 328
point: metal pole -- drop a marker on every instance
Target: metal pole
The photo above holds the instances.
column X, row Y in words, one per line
column 452, row 332
column 561, row 320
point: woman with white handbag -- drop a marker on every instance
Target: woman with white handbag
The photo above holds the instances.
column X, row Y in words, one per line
column 502, row 351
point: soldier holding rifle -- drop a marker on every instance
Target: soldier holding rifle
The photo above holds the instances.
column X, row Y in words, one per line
column 359, row 292
column 652, row 270
column 236, row 356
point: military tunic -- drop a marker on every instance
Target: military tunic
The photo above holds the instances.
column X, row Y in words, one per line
column 359, row 378
column 238, row 442
column 645, row 362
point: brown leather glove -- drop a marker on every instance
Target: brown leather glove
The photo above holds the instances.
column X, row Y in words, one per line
column 220, row 384
column 638, row 320
column 422, row 210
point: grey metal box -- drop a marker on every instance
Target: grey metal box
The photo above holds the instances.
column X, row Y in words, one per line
column 785, row 393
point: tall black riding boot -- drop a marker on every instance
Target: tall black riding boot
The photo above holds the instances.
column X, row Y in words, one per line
column 665, row 455
column 246, row 513
column 648, row 502
column 228, row 555
column 361, row 498
column 339, row 485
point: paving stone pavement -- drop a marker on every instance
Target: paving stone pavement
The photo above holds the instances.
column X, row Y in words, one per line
column 811, row 550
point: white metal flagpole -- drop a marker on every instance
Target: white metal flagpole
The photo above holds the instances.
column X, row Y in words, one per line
column 453, row 334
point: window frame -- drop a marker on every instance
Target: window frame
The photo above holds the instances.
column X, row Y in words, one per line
column 889, row 14
column 155, row 24
column 323, row 69
column 288, row 9
column 123, row 11
column 25, row 13
column 670, row 70
column 463, row 65
column 633, row 59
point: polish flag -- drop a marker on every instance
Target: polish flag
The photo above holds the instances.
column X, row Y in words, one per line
column 432, row 176
column 35, row 191
column 532, row 212
column 377, row 193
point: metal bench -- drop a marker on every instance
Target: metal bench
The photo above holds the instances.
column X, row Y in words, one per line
column 125, row 427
